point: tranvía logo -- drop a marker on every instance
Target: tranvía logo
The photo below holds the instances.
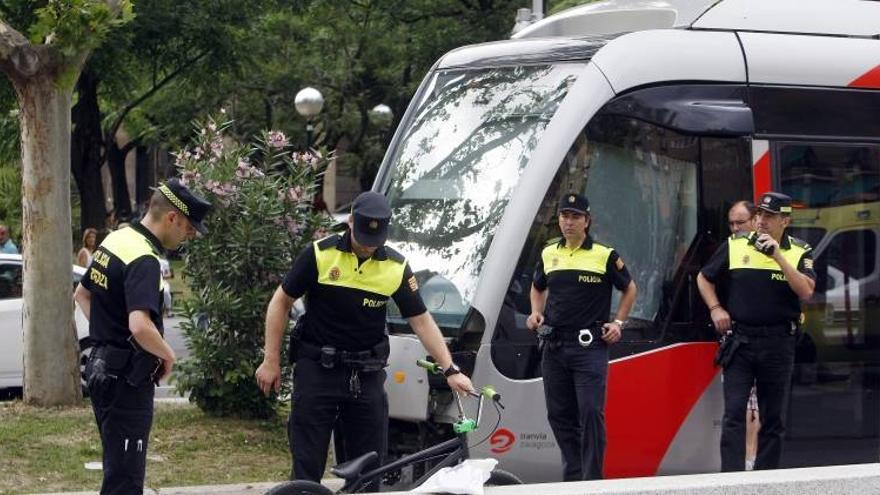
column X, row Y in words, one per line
column 502, row 440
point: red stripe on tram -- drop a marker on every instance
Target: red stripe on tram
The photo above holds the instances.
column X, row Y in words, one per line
column 761, row 176
column 868, row 80
column 649, row 398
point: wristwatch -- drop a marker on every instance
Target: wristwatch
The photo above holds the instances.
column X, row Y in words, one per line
column 453, row 369
column 620, row 323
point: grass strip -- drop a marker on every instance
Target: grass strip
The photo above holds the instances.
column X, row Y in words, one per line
column 45, row 449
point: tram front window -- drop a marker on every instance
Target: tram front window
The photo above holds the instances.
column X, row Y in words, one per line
column 455, row 168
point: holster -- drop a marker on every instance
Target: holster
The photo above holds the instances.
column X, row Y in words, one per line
column 545, row 334
column 295, row 336
column 727, row 348
column 106, row 364
column 144, row 366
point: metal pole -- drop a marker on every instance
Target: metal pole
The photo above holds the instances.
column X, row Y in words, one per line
column 309, row 129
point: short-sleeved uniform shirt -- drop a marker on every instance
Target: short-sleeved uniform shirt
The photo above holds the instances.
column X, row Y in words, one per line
column 579, row 282
column 124, row 276
column 758, row 293
column 346, row 297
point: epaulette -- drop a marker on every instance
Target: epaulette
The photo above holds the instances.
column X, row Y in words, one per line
column 328, row 242
column 601, row 244
column 740, row 235
column 394, row 255
column 799, row 243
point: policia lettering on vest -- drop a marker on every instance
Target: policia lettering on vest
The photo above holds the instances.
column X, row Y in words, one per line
column 121, row 297
column 341, row 347
column 767, row 273
column 571, row 305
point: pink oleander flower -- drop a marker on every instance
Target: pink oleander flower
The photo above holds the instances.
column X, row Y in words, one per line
column 190, row 177
column 296, row 194
column 291, row 225
column 310, row 159
column 217, row 146
column 276, row 139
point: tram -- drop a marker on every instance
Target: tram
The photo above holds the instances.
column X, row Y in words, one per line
column 663, row 113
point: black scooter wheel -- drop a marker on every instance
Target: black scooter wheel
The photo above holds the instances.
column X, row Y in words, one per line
column 500, row 477
column 300, row 487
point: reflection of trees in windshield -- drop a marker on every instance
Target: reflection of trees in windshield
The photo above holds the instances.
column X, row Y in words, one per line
column 476, row 112
column 461, row 159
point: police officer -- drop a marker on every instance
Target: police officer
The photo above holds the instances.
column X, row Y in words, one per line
column 571, row 293
column 120, row 295
column 768, row 273
column 341, row 348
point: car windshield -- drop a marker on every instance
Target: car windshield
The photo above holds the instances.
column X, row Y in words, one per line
column 455, row 169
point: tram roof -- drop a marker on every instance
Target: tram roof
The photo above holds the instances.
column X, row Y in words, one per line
column 520, row 52
column 858, row 18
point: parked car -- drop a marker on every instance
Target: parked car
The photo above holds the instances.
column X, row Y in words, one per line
column 11, row 336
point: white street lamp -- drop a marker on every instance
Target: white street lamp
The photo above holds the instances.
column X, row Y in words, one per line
column 309, row 102
column 381, row 114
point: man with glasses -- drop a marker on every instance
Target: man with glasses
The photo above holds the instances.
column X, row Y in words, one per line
column 767, row 273
column 741, row 217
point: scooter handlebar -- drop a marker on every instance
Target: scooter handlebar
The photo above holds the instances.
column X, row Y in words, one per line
column 431, row 367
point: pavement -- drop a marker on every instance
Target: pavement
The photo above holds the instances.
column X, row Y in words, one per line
column 234, row 489
column 826, row 480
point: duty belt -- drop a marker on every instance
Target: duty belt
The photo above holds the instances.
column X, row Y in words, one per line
column 583, row 336
column 774, row 330
column 331, row 357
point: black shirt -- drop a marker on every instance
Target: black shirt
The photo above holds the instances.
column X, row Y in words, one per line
column 346, row 297
column 758, row 293
column 580, row 282
column 124, row 276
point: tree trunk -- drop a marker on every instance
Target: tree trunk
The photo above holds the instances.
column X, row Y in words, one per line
column 145, row 177
column 50, row 353
column 121, row 197
column 85, row 151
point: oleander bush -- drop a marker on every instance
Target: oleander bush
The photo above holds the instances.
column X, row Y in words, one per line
column 262, row 217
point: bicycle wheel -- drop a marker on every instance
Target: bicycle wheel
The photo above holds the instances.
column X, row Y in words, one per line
column 300, row 487
column 500, row 477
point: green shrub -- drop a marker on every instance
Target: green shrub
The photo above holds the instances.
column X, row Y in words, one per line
column 262, row 217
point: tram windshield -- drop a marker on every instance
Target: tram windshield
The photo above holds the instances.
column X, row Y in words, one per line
column 454, row 170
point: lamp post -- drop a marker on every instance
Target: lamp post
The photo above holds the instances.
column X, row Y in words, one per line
column 381, row 115
column 309, row 102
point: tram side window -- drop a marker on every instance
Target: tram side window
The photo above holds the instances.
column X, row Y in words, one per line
column 836, row 188
column 641, row 181
column 835, row 396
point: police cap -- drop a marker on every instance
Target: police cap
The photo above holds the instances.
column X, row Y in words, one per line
column 193, row 207
column 575, row 202
column 775, row 202
column 371, row 214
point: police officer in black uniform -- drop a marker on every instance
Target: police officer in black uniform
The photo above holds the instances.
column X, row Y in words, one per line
column 768, row 274
column 571, row 294
column 341, row 348
column 120, row 294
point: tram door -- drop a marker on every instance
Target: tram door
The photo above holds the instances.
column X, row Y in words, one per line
column 828, row 160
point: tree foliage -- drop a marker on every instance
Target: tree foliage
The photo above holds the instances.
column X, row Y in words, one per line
column 262, row 215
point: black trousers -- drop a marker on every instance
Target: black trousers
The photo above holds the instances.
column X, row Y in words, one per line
column 574, row 387
column 768, row 362
column 321, row 399
column 124, row 415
